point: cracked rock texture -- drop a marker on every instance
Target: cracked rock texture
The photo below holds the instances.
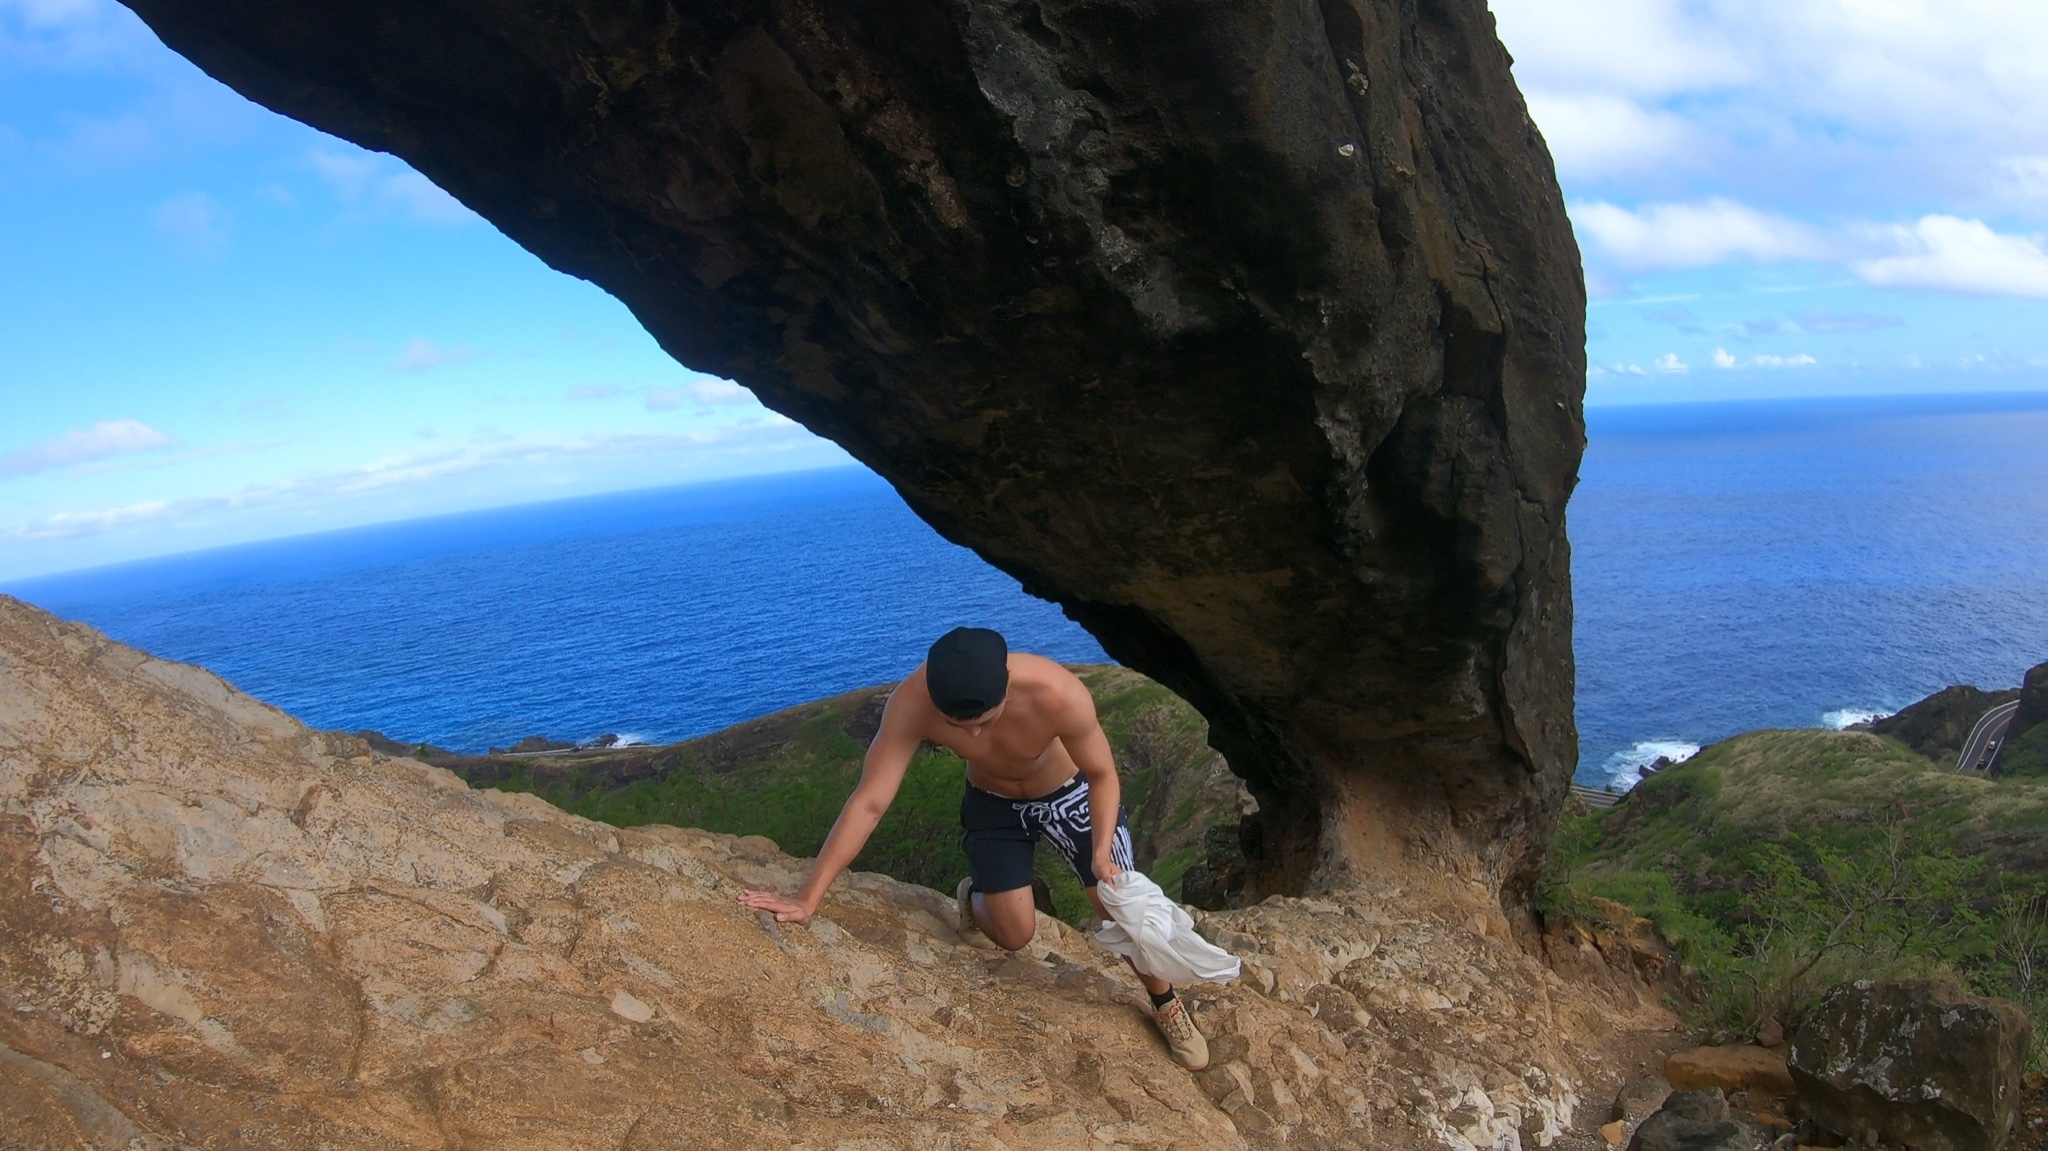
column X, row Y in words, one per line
column 1252, row 334
column 1916, row 1061
column 219, row 928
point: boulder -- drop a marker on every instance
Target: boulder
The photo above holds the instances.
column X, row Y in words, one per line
column 1731, row 1068
column 1697, row 1121
column 1919, row 1063
column 1251, row 334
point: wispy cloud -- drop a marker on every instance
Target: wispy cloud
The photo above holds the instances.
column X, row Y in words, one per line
column 194, row 222
column 1802, row 360
column 705, row 393
column 69, row 525
column 1819, row 320
column 421, row 356
column 84, row 445
column 595, row 391
column 720, row 392
column 67, row 34
column 1671, row 364
column 771, row 434
column 379, row 185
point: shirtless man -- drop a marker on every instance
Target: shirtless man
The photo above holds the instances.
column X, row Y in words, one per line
column 1038, row 764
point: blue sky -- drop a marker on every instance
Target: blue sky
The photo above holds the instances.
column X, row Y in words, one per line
column 221, row 325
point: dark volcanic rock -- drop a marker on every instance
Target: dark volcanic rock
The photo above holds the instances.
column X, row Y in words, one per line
column 1697, row 1121
column 2033, row 710
column 1253, row 334
column 1919, row 1063
column 2026, row 742
column 1937, row 726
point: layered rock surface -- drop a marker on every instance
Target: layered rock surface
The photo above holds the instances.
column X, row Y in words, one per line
column 1251, row 334
column 220, row 928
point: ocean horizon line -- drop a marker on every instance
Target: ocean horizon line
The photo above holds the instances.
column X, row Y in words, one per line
column 1915, row 402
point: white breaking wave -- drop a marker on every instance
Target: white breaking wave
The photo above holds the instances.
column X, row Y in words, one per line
column 1625, row 768
column 1847, row 717
column 626, row 739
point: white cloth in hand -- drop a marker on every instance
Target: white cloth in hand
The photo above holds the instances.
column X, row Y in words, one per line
column 1156, row 935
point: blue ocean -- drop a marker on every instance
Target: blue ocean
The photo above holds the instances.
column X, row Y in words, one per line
column 1737, row 565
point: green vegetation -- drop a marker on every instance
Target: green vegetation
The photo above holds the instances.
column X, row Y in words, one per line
column 792, row 773
column 2027, row 757
column 1781, row 862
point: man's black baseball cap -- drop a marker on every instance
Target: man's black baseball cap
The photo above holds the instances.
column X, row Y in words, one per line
column 968, row 671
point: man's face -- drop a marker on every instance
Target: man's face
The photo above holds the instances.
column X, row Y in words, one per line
column 974, row 725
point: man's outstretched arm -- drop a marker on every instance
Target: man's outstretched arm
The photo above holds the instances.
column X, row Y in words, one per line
column 1086, row 742
column 881, row 774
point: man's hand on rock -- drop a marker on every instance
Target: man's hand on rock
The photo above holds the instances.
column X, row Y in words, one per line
column 783, row 908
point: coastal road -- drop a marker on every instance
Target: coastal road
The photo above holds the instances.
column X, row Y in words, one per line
column 1597, row 800
column 1988, row 732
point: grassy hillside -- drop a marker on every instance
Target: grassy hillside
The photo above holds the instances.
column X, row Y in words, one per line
column 785, row 776
column 1781, row 862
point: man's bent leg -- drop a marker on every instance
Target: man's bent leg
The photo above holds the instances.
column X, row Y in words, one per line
column 1007, row 917
column 1183, row 1038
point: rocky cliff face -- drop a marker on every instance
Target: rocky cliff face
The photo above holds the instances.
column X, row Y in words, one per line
column 218, row 928
column 1251, row 334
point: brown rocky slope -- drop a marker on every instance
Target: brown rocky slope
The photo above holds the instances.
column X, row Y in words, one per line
column 219, row 928
column 1252, row 334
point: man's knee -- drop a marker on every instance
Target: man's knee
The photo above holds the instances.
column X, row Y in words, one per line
column 1012, row 937
column 1012, row 919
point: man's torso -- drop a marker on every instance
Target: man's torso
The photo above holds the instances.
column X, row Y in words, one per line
column 1020, row 754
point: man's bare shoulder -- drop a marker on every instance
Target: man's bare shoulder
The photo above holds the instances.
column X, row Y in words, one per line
column 1052, row 687
column 910, row 706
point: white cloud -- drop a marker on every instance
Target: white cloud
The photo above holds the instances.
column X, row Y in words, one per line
column 83, row 445
column 769, row 434
column 1638, row 48
column 380, row 185
column 706, row 393
column 1600, row 135
column 1670, row 363
column 194, row 222
column 1694, row 235
column 1722, row 359
column 422, row 356
column 719, row 392
column 2027, row 176
column 67, row 34
column 1801, row 360
column 1959, row 255
column 1835, row 113
column 69, row 525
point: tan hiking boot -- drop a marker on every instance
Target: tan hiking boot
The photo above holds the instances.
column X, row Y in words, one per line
column 971, row 933
column 1177, row 1024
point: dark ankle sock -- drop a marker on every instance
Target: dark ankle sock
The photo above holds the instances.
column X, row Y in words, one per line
column 1163, row 998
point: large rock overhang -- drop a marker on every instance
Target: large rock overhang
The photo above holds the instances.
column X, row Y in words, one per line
column 1252, row 334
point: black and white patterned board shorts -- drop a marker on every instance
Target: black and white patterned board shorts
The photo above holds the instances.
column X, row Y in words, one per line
column 1001, row 833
